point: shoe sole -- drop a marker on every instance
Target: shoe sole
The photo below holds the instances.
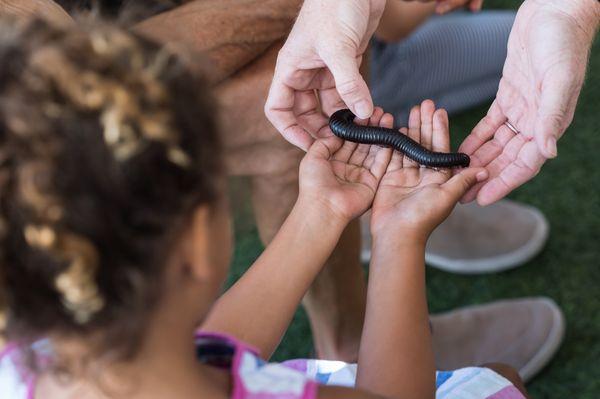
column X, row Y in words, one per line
column 550, row 346
column 497, row 263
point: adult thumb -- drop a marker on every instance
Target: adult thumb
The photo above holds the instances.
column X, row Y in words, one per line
column 350, row 85
column 461, row 182
column 546, row 133
column 556, row 109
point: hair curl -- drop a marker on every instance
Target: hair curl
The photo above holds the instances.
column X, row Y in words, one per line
column 107, row 143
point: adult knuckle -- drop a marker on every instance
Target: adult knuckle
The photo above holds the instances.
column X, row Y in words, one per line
column 348, row 87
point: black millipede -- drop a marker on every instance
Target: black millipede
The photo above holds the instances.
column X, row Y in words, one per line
column 342, row 125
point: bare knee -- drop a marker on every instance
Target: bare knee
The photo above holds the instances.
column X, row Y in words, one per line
column 510, row 374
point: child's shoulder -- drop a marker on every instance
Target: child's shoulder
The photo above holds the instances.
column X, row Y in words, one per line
column 252, row 377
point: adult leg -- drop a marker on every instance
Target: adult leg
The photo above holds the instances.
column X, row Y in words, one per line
column 455, row 60
column 335, row 303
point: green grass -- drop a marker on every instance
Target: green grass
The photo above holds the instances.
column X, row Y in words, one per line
column 568, row 270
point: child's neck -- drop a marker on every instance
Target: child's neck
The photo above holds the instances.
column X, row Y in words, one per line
column 166, row 366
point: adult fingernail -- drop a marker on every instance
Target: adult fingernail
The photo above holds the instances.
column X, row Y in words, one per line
column 363, row 109
column 551, row 147
column 481, row 176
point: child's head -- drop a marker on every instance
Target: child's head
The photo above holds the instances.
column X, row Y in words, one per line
column 110, row 180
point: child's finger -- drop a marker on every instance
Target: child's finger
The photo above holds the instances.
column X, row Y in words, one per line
column 440, row 140
column 381, row 160
column 427, row 111
column 362, row 151
column 375, row 119
column 475, row 5
column 344, row 153
column 397, row 161
column 414, row 132
column 460, row 183
column 325, row 148
column 383, row 120
column 359, row 155
column 387, row 121
column 381, row 156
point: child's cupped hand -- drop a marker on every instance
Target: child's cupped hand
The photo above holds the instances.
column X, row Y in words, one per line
column 344, row 176
column 412, row 200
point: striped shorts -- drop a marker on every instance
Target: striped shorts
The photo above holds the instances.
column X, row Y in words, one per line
column 455, row 60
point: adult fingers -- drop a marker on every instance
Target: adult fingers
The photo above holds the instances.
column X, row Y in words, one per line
column 461, row 182
column 509, row 154
column 309, row 116
column 492, row 148
column 526, row 166
column 279, row 109
column 556, row 110
column 484, row 130
column 349, row 83
column 330, row 100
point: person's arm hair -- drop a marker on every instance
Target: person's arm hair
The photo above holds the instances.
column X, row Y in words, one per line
column 29, row 9
column 259, row 307
column 401, row 18
column 396, row 355
column 231, row 33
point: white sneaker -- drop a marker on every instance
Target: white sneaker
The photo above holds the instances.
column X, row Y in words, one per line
column 475, row 239
column 523, row 333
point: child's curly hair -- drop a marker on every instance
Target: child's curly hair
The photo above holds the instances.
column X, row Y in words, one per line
column 107, row 144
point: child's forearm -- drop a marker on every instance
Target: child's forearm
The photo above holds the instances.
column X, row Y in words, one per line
column 260, row 306
column 396, row 356
column 230, row 33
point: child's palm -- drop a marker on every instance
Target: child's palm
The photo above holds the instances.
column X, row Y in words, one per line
column 413, row 196
column 344, row 175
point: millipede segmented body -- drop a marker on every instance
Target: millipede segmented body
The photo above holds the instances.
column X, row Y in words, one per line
column 342, row 125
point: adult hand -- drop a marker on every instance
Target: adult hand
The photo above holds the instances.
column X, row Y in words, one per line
column 344, row 175
column 545, row 67
column 317, row 69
